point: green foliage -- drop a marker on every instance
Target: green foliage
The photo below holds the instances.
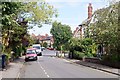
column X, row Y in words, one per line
column 89, row 55
column 105, row 30
column 45, row 44
column 1, row 47
column 14, row 32
column 75, row 44
column 11, row 7
column 87, row 41
column 61, row 34
column 112, row 58
column 81, row 55
column 41, row 12
column 78, row 55
column 82, row 47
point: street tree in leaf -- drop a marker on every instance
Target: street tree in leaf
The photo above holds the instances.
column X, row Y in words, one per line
column 39, row 13
column 105, row 30
column 61, row 34
column 15, row 19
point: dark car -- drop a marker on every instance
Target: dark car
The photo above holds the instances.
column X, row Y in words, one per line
column 50, row 48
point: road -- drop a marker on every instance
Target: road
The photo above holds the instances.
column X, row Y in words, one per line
column 48, row 66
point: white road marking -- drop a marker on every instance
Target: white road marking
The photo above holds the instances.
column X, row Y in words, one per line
column 43, row 70
column 48, row 76
column 45, row 73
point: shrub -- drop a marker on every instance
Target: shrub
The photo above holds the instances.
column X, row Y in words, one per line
column 45, row 44
column 89, row 55
column 111, row 58
column 81, row 55
column 94, row 55
column 78, row 55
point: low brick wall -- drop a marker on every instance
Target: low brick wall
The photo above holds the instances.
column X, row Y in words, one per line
column 98, row 61
column 92, row 60
column 111, row 64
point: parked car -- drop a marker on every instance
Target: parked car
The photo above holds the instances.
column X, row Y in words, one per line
column 43, row 48
column 50, row 48
column 38, row 49
column 31, row 54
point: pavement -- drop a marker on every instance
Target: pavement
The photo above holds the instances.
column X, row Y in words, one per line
column 96, row 66
column 13, row 68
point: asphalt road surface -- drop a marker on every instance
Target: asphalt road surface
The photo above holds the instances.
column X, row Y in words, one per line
column 48, row 66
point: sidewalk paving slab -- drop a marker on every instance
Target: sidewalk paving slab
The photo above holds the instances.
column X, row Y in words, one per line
column 13, row 68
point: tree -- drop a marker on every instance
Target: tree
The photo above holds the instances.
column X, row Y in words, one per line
column 10, row 28
column 105, row 29
column 39, row 13
column 16, row 16
column 61, row 34
column 45, row 44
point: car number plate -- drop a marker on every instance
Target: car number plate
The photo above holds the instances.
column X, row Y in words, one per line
column 31, row 58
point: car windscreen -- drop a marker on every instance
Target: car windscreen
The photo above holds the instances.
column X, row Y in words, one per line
column 31, row 52
column 37, row 47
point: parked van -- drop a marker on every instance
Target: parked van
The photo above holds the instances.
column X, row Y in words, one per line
column 38, row 49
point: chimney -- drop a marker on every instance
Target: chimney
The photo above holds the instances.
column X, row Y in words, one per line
column 46, row 35
column 90, row 11
column 77, row 28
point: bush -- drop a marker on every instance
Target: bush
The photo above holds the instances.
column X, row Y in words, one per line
column 89, row 55
column 83, row 48
column 94, row 55
column 45, row 44
column 111, row 58
column 81, row 55
column 78, row 55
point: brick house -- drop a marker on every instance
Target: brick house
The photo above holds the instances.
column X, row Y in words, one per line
column 80, row 31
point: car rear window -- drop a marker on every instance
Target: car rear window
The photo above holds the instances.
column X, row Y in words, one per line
column 31, row 52
column 37, row 47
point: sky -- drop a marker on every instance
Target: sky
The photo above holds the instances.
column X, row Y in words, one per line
column 71, row 12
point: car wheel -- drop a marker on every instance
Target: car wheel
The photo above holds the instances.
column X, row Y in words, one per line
column 26, row 60
column 36, row 59
column 40, row 54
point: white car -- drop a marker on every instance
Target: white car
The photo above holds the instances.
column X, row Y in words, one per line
column 38, row 49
